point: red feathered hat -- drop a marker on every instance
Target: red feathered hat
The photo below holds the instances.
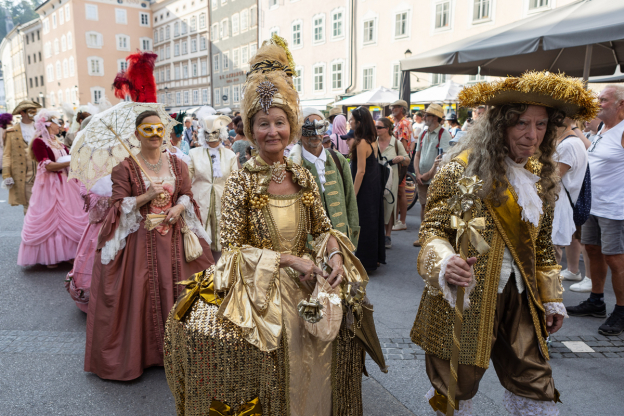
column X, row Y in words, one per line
column 138, row 80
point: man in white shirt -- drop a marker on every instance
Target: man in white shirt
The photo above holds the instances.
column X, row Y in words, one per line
column 19, row 170
column 603, row 233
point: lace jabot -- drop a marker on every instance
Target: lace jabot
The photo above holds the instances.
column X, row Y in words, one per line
column 525, row 185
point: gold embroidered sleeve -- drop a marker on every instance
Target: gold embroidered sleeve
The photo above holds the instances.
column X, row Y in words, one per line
column 435, row 230
column 235, row 212
column 547, row 269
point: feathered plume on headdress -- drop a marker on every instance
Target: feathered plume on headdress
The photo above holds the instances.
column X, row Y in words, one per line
column 179, row 128
column 138, row 80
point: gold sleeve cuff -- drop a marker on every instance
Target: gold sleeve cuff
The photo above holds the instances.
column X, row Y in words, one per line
column 549, row 284
column 430, row 259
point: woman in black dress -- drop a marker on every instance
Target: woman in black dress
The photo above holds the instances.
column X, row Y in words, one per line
column 368, row 189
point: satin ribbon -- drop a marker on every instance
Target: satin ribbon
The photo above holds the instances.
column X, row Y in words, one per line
column 252, row 408
column 469, row 184
column 198, row 285
column 472, row 226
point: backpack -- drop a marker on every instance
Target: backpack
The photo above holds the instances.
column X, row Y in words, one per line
column 582, row 207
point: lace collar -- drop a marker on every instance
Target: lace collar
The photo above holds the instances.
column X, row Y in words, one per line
column 525, row 185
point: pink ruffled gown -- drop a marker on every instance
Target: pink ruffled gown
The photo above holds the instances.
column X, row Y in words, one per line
column 78, row 281
column 55, row 219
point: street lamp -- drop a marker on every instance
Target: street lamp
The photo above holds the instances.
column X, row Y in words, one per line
column 408, row 53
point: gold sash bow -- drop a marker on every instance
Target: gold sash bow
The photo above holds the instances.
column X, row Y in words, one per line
column 252, row 408
column 472, row 226
column 197, row 285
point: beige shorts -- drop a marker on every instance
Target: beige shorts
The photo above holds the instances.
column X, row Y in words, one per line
column 422, row 193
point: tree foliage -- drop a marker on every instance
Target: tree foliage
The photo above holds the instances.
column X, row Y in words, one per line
column 18, row 11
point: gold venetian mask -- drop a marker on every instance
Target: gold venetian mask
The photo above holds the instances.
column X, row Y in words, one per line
column 150, row 130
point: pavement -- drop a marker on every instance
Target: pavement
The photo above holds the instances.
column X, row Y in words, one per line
column 42, row 336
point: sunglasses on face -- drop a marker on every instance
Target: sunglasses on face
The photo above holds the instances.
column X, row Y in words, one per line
column 381, row 127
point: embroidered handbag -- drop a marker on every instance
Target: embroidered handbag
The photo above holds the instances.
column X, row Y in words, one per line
column 192, row 249
column 326, row 329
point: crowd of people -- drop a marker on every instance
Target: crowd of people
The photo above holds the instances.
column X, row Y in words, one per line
column 236, row 251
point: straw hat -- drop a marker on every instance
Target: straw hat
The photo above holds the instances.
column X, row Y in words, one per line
column 334, row 112
column 558, row 91
column 25, row 105
column 435, row 109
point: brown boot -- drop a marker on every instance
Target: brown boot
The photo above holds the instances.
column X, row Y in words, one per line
column 416, row 243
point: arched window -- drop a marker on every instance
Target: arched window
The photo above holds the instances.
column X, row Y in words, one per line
column 69, row 40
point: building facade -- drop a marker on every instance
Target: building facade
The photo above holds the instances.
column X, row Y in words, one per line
column 181, row 40
column 234, row 36
column 33, row 56
column 85, row 44
column 13, row 68
column 377, row 34
column 319, row 35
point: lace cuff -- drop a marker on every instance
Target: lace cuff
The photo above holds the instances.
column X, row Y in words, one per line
column 129, row 222
column 555, row 308
column 465, row 406
column 193, row 223
column 519, row 406
column 449, row 292
column 41, row 167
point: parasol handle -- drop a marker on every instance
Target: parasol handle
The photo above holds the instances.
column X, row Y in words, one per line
column 133, row 157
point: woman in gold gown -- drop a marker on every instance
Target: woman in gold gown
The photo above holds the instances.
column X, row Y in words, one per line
column 244, row 337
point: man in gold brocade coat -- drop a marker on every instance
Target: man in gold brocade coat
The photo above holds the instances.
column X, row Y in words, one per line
column 513, row 290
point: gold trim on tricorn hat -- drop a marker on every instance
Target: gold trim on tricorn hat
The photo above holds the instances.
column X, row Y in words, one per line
column 544, row 88
column 25, row 105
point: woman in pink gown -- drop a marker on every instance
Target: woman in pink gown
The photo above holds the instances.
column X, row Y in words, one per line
column 55, row 220
column 78, row 281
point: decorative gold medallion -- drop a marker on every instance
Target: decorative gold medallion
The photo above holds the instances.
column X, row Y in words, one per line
column 259, row 201
column 308, row 198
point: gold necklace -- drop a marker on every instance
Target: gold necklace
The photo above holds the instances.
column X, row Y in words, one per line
column 278, row 172
column 300, row 224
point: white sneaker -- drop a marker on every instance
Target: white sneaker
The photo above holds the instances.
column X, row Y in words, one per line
column 568, row 275
column 399, row 226
column 583, row 286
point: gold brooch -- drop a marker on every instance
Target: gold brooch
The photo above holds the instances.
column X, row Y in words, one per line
column 259, row 201
column 308, row 198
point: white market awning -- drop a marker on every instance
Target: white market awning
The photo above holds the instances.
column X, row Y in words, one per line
column 317, row 103
column 381, row 96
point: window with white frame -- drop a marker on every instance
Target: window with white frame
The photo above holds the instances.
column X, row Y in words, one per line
column 396, row 75
column 123, row 42
column 65, row 68
column 538, row 4
column 215, row 63
column 438, row 79
column 146, row 44
column 144, row 19
column 369, row 31
column 97, row 93
column 273, row 4
column 473, row 79
column 204, row 68
column 226, row 95
column 178, row 96
column 176, row 29
column 337, row 24
column 193, row 24
column 193, row 45
column 47, row 49
column 59, row 74
column 244, row 20
column 217, row 96
column 186, row 98
column 194, row 69
column 185, row 72
column 400, row 25
column 296, row 34
column 95, row 66
column 213, row 4
column 67, row 12
column 184, row 27
column 235, row 93
column 214, row 32
column 91, row 11
column 244, row 55
column 202, row 21
column 298, row 79
column 50, row 72
column 252, row 49
column 235, row 23
column 121, row 16
column 63, row 43
column 46, row 26
column 70, row 40
column 253, row 13
column 337, row 71
column 71, row 66
column 94, row 40
column 225, row 29
column 122, row 65
column 235, row 58
column 319, row 78
column 368, row 78
column 176, row 49
column 443, row 15
column 226, row 61
column 61, row 17
column 274, row 31
column 176, row 72
column 319, row 28
column 52, row 98
column 184, row 48
column 202, row 43
column 53, row 20
column 204, row 95
column 168, row 74
column 167, row 32
column 56, row 47
column 195, row 96
column 481, row 10
column 60, row 97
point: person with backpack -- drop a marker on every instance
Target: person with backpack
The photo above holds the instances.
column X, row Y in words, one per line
column 394, row 154
column 571, row 158
column 331, row 172
column 429, row 146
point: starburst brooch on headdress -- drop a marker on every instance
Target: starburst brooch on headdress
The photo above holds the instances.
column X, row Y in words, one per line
column 266, row 90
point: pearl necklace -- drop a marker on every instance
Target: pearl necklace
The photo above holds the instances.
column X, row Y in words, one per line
column 153, row 167
column 278, row 172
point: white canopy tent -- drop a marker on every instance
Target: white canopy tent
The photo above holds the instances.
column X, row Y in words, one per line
column 380, row 96
column 443, row 93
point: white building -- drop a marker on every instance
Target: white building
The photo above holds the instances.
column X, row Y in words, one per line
column 13, row 68
column 181, row 42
